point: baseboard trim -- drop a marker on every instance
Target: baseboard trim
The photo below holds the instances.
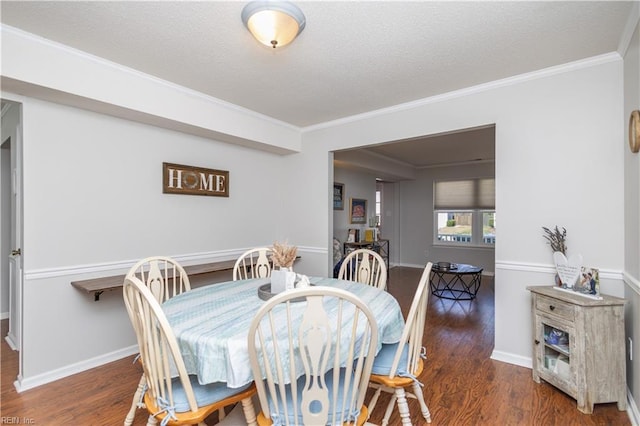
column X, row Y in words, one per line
column 632, row 409
column 510, row 358
column 10, row 339
column 22, row 384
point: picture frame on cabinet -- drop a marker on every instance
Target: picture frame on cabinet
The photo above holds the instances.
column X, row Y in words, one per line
column 338, row 196
column 589, row 282
column 358, row 210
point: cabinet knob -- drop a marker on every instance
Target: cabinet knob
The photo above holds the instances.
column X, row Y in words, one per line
column 537, row 342
column 551, row 307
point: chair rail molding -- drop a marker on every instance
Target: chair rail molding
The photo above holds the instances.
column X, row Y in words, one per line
column 611, row 274
column 124, row 265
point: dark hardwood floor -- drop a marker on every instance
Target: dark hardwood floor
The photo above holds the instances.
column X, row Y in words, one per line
column 462, row 386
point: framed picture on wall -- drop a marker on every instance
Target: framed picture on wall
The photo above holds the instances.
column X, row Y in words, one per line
column 338, row 196
column 358, row 210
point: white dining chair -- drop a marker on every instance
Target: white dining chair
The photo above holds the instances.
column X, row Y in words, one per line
column 317, row 371
column 253, row 263
column 165, row 278
column 172, row 397
column 398, row 365
column 364, row 266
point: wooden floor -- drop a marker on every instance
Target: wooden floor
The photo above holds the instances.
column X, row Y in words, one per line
column 462, row 386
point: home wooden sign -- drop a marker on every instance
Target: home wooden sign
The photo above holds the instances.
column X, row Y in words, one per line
column 190, row 180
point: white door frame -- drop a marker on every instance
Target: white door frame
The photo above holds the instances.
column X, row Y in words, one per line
column 12, row 132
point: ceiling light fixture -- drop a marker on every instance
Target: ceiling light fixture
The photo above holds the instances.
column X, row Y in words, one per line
column 273, row 23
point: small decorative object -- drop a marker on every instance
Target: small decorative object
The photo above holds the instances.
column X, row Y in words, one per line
column 282, row 280
column 568, row 269
column 444, row 265
column 589, row 282
column 303, row 281
column 634, row 131
column 283, row 257
column 370, row 235
column 265, row 293
column 338, row 196
column 556, row 239
column 191, row 180
column 358, row 211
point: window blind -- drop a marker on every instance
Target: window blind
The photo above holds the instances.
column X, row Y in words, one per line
column 467, row 194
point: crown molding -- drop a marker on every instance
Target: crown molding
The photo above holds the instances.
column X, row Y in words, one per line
column 505, row 82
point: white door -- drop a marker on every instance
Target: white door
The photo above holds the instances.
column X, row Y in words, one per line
column 12, row 140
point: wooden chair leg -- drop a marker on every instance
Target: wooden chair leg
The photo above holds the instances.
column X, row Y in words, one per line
column 403, row 407
column 374, row 399
column 390, row 406
column 417, row 390
column 135, row 404
column 249, row 411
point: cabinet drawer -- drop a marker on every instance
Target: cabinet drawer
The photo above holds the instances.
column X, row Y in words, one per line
column 555, row 307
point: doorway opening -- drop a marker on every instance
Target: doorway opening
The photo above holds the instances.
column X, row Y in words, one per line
column 11, row 222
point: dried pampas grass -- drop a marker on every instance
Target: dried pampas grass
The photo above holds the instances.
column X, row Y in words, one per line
column 283, row 255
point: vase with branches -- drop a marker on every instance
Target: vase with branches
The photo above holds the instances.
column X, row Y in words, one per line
column 556, row 238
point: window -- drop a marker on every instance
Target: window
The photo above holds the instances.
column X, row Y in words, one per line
column 464, row 211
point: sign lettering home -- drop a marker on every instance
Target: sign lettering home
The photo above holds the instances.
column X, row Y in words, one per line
column 181, row 179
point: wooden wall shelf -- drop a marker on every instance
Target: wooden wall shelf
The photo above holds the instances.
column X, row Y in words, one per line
column 97, row 286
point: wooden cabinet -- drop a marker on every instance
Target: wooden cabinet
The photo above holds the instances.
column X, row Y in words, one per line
column 579, row 346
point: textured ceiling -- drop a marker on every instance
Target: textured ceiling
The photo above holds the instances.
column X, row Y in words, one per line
column 353, row 57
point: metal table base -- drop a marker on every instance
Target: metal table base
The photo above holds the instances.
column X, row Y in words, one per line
column 459, row 282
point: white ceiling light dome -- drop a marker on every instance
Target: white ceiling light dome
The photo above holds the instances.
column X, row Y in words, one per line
column 273, row 23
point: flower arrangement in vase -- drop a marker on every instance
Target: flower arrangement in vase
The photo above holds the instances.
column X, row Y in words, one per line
column 283, row 255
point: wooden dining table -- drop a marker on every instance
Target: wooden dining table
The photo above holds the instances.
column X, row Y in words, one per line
column 211, row 324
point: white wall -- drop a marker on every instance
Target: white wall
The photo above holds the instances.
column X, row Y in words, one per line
column 93, row 201
column 356, row 185
column 93, row 204
column 417, row 222
column 558, row 149
column 632, row 215
column 389, row 220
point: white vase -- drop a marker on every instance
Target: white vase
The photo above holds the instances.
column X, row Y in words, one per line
column 282, row 279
